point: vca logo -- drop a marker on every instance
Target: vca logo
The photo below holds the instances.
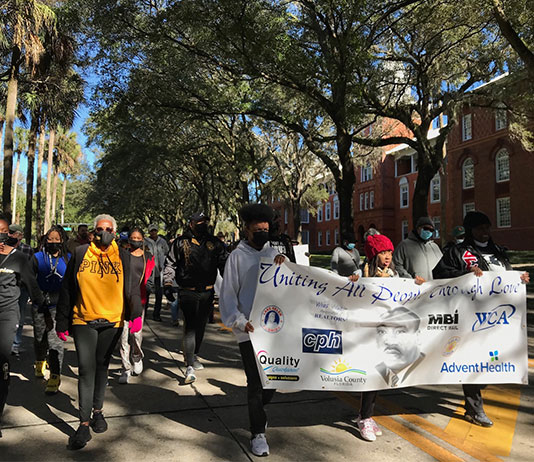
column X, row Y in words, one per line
column 498, row 316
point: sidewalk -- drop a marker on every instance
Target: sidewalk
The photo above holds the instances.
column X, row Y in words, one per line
column 157, row 418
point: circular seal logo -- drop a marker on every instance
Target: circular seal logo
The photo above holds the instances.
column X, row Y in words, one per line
column 272, row 319
column 451, row 346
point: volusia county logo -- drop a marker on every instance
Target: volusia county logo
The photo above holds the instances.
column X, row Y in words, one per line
column 341, row 374
column 488, row 319
column 451, row 346
column 272, row 319
column 341, row 367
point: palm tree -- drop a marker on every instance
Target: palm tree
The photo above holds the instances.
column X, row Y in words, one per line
column 22, row 25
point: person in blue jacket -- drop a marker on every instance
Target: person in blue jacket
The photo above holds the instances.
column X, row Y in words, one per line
column 49, row 266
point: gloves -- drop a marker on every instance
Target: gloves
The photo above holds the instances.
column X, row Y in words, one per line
column 63, row 335
column 169, row 293
column 136, row 325
column 240, row 322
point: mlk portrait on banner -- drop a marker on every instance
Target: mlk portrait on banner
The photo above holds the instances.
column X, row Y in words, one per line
column 399, row 344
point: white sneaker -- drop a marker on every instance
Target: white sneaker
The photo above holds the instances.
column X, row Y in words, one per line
column 258, row 445
column 125, row 377
column 366, row 430
column 138, row 367
column 190, row 376
column 197, row 364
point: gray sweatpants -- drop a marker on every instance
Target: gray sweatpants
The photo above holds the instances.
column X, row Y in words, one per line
column 130, row 346
column 46, row 341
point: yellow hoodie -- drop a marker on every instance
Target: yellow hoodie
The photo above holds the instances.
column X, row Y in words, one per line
column 101, row 288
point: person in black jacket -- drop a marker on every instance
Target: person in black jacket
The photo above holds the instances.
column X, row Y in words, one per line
column 193, row 261
column 476, row 254
column 99, row 293
column 15, row 270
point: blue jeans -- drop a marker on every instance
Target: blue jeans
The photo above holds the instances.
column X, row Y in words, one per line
column 23, row 302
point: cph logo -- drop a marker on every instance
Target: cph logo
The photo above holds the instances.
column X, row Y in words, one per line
column 324, row 341
column 488, row 319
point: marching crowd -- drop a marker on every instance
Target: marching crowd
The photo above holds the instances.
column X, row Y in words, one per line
column 95, row 288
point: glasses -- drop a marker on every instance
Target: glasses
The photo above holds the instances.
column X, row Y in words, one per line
column 100, row 229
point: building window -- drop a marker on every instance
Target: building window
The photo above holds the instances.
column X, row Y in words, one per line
column 320, row 213
column 504, row 216
column 305, row 236
column 327, row 238
column 319, row 239
column 336, row 209
column 502, row 165
column 404, row 227
column 327, row 212
column 304, row 216
column 467, row 132
column 333, row 188
column 366, row 173
column 468, row 207
column 336, row 237
column 437, row 226
column 435, row 189
column 468, row 173
column 366, row 202
column 501, row 119
column 361, row 202
column 285, row 216
column 404, row 193
column 372, row 200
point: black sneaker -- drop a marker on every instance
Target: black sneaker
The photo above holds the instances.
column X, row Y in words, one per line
column 98, row 423
column 478, row 419
column 157, row 318
column 80, row 438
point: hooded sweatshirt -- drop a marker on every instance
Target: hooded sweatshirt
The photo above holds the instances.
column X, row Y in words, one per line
column 415, row 257
column 239, row 286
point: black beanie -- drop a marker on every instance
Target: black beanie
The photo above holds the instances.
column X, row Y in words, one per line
column 474, row 219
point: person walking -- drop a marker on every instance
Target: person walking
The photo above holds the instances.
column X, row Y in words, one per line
column 193, row 262
column 142, row 270
column 235, row 304
column 417, row 255
column 99, row 293
column 476, row 253
column 49, row 266
column 82, row 238
column 159, row 248
column 379, row 253
column 16, row 234
column 345, row 259
column 15, row 270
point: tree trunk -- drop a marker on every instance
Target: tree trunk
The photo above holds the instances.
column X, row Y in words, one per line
column 28, row 213
column 11, row 105
column 15, row 184
column 53, row 216
column 49, row 169
column 297, row 227
column 63, row 195
column 345, row 184
column 425, row 174
column 38, row 199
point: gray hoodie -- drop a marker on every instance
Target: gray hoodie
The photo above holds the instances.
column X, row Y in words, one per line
column 415, row 257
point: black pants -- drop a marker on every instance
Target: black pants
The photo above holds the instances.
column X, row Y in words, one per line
column 473, row 398
column 94, row 348
column 367, row 404
column 257, row 397
column 196, row 307
column 8, row 325
column 158, row 291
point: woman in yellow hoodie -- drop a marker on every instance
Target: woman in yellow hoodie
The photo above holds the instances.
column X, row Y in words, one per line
column 97, row 296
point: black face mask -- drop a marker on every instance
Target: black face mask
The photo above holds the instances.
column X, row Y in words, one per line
column 104, row 238
column 201, row 229
column 53, row 247
column 3, row 238
column 11, row 241
column 260, row 238
column 136, row 244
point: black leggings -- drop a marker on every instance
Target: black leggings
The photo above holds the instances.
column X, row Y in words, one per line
column 94, row 348
column 196, row 307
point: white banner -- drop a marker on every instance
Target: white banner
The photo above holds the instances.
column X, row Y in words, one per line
column 315, row 330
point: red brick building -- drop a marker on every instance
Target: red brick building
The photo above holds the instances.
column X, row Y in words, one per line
column 485, row 170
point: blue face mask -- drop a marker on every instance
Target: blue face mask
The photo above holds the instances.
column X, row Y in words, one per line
column 425, row 234
column 351, row 246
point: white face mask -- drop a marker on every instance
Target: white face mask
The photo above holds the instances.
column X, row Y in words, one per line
column 481, row 244
column 459, row 241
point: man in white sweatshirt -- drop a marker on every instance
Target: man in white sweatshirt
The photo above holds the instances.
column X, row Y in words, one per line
column 235, row 303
